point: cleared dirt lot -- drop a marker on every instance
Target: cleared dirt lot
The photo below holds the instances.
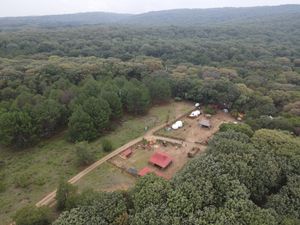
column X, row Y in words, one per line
column 192, row 132
column 141, row 155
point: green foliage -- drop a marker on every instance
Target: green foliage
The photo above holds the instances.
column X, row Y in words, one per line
column 287, row 201
column 279, row 142
column 107, row 145
column 99, row 111
column 111, row 207
column 209, row 110
column 49, row 115
column 84, row 158
column 159, row 88
column 31, row 215
column 115, row 104
column 241, row 128
column 137, row 98
column 17, row 129
column 65, row 195
column 150, row 190
column 81, row 126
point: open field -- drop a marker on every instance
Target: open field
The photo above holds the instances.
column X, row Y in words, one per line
column 192, row 132
column 32, row 173
column 106, row 178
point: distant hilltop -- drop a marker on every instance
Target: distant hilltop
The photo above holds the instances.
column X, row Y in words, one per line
column 176, row 17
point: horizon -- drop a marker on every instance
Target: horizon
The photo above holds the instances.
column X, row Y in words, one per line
column 90, row 8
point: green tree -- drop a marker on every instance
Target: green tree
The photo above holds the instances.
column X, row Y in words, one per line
column 107, row 145
column 137, row 98
column 81, row 126
column 31, row 215
column 84, row 157
column 159, row 88
column 65, row 195
column 115, row 104
column 49, row 115
column 17, row 129
column 99, row 111
column 242, row 128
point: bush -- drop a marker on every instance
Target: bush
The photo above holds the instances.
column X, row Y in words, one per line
column 241, row 128
column 84, row 158
column 23, row 180
column 178, row 99
column 31, row 215
column 209, row 110
column 106, row 145
column 65, row 195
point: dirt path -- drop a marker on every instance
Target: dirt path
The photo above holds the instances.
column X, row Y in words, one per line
column 49, row 200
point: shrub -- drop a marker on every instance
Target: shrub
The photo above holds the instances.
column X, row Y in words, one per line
column 84, row 158
column 209, row 110
column 65, row 195
column 178, row 99
column 241, row 128
column 31, row 215
column 106, row 145
column 23, row 180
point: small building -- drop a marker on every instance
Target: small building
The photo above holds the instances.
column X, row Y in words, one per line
column 160, row 159
column 147, row 170
column 126, row 154
column 205, row 123
column 132, row 171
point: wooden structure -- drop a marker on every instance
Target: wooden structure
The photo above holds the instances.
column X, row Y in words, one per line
column 205, row 123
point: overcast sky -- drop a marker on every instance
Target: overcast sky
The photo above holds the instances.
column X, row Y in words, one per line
column 46, row 7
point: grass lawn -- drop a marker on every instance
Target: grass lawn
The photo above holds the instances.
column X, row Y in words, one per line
column 106, row 177
column 31, row 174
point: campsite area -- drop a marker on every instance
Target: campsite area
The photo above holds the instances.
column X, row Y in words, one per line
column 178, row 145
column 140, row 155
column 192, row 131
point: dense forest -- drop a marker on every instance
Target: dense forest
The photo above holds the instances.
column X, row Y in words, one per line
column 83, row 76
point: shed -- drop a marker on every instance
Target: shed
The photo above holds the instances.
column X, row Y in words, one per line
column 147, row 170
column 132, row 171
column 205, row 123
column 160, row 159
column 126, row 154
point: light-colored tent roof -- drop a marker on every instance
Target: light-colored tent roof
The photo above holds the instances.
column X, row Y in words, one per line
column 205, row 123
column 195, row 113
column 177, row 125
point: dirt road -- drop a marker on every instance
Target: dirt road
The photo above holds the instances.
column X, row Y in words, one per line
column 49, row 200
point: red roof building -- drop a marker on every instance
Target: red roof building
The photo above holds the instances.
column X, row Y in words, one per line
column 126, row 154
column 160, row 159
column 147, row 170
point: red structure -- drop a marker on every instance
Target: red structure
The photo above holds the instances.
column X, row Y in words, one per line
column 147, row 170
column 160, row 159
column 126, row 154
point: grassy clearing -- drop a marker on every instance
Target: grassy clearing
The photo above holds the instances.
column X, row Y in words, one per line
column 106, row 177
column 31, row 174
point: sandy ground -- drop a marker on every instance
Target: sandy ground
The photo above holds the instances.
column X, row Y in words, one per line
column 192, row 132
column 140, row 157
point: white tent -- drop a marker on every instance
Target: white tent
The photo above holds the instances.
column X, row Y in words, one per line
column 177, row 125
column 195, row 113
